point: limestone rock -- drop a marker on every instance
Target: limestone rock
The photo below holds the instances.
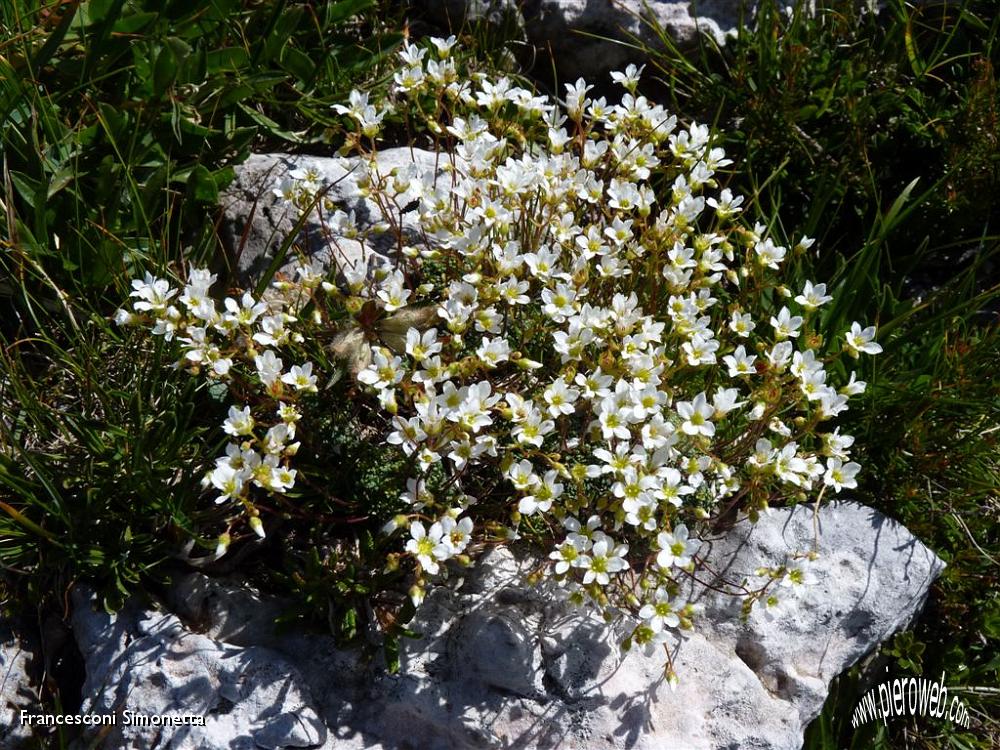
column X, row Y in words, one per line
column 16, row 690
column 256, row 222
column 503, row 664
column 147, row 662
column 589, row 38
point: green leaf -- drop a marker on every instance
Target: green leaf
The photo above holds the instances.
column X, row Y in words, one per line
column 991, row 622
column 28, row 188
column 226, row 60
column 349, row 624
column 55, row 38
column 337, row 12
column 134, row 23
column 98, row 10
column 180, row 48
column 164, row 70
column 272, row 127
column 218, row 391
column 201, row 185
column 298, row 64
column 392, row 653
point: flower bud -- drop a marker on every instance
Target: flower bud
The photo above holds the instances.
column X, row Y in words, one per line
column 416, row 595
column 257, row 525
column 392, row 562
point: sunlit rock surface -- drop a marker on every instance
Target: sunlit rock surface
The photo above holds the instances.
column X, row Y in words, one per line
column 256, row 221
column 505, row 665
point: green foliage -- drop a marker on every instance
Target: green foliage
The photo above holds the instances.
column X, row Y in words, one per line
column 929, row 422
column 121, row 119
column 834, row 114
column 100, row 450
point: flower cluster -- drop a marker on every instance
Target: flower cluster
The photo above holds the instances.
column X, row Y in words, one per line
column 589, row 347
column 240, row 340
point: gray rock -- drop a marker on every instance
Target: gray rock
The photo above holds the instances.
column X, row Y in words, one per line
column 589, row 38
column 17, row 691
column 256, row 222
column 503, row 664
column 148, row 663
column 226, row 611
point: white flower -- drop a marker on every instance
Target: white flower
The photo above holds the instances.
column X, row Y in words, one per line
column 154, row 294
column 420, row 346
column 522, row 475
column 700, row 350
column 533, row 429
column 268, row 367
column 786, row 325
column 769, row 254
column 245, row 312
column 839, row 475
column 239, row 422
column 741, row 324
column 837, row 445
column 725, row 401
column 384, row 372
column 775, row 608
column 543, row 494
column 798, row 574
column 630, row 78
column 456, row 534
column 560, row 397
column 426, row 546
column 576, row 98
column 813, row 296
column 676, row 549
column 739, row 362
column 443, row 46
column 660, row 612
column 567, row 555
column 229, row 481
column 301, row 378
column 858, row 340
column 603, row 560
column 493, row 351
column 854, row 387
column 788, row 465
column 697, row 416
column 393, row 293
